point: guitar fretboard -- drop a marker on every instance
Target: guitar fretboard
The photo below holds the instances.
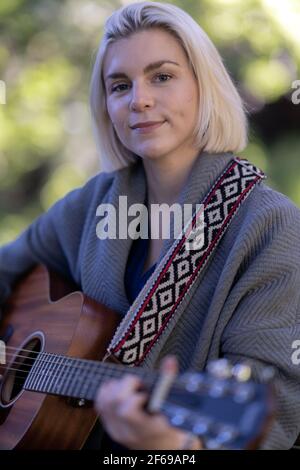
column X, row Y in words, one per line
column 76, row 378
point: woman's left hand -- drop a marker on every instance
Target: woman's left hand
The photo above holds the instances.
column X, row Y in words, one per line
column 120, row 405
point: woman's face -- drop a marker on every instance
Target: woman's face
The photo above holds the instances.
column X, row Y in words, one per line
column 148, row 79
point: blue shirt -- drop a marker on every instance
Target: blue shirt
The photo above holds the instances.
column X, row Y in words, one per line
column 134, row 276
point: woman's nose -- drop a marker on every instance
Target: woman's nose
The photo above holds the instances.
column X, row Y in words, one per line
column 140, row 98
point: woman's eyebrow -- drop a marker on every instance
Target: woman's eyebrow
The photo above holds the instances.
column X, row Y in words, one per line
column 148, row 68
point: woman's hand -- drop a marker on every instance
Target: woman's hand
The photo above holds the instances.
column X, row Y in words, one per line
column 120, row 405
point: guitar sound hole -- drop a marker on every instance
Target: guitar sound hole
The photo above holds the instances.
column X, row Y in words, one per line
column 18, row 369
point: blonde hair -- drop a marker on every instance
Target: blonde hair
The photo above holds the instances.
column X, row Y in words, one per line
column 222, row 122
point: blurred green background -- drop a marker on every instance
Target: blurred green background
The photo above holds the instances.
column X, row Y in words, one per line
column 47, row 49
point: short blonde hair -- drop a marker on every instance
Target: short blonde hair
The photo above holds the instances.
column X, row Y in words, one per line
column 222, row 122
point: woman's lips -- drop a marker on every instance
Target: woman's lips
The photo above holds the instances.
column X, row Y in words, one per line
column 148, row 129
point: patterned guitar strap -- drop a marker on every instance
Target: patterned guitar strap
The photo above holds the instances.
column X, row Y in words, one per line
column 172, row 279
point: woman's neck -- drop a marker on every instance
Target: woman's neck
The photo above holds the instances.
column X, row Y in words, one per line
column 166, row 179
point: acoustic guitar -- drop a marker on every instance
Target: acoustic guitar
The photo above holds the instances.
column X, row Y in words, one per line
column 56, row 338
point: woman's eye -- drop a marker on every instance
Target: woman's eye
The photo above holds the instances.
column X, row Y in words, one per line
column 116, row 87
column 120, row 87
column 165, row 75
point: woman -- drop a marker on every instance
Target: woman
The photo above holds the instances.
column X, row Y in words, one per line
column 168, row 121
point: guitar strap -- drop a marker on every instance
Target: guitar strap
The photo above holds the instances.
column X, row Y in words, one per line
column 172, row 279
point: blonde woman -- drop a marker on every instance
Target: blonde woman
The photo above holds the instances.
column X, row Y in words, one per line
column 168, row 121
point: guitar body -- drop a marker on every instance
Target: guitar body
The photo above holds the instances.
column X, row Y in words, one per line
column 47, row 314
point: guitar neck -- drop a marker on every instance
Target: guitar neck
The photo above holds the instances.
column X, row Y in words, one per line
column 77, row 378
column 224, row 412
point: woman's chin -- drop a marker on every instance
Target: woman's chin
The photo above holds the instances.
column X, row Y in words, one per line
column 152, row 155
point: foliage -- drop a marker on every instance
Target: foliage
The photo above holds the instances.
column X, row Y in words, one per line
column 46, row 56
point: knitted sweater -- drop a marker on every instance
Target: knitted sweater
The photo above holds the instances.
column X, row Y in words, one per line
column 245, row 305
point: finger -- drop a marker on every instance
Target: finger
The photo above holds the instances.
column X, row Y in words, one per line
column 169, row 364
column 104, row 391
column 127, row 385
column 122, row 387
column 114, row 392
column 132, row 409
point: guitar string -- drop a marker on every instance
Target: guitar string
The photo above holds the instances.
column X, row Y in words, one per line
column 146, row 377
column 51, row 354
column 107, row 374
column 52, row 360
column 45, row 359
column 79, row 380
column 72, row 363
column 22, row 349
column 110, row 371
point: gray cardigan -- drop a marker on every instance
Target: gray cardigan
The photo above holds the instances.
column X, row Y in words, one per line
column 244, row 306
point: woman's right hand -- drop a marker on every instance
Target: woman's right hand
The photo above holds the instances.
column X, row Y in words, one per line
column 120, row 404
